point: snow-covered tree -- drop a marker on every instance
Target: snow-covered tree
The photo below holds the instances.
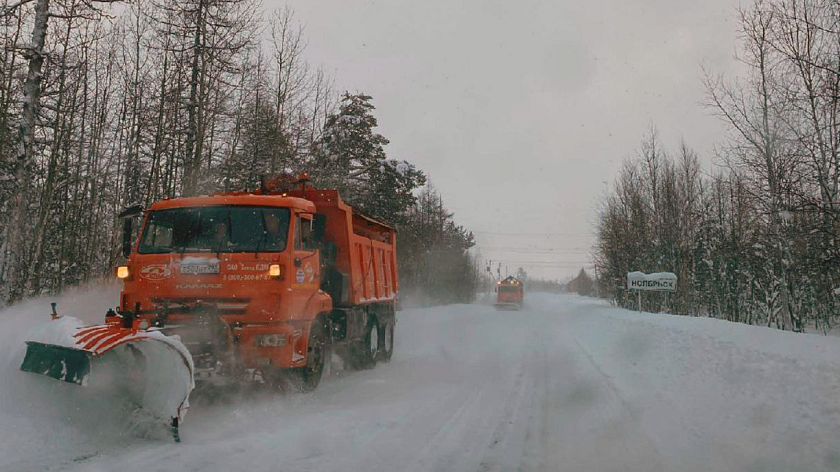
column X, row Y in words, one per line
column 349, row 149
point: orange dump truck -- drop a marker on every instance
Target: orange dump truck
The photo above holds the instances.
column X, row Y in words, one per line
column 232, row 287
column 509, row 293
column 265, row 283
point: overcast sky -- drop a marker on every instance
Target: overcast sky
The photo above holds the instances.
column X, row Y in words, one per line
column 521, row 111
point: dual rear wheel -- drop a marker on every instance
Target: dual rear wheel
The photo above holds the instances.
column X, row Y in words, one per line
column 387, row 342
column 365, row 352
column 376, row 346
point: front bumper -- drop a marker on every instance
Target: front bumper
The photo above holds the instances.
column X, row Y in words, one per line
column 291, row 354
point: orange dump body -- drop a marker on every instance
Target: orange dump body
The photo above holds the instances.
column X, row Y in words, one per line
column 236, row 298
column 510, row 293
column 366, row 250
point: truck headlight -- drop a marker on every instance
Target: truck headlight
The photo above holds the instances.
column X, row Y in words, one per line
column 270, row 340
column 122, row 272
column 275, row 271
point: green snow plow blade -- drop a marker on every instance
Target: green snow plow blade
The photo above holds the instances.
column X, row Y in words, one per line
column 59, row 362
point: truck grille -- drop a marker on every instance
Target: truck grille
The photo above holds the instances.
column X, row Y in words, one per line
column 186, row 305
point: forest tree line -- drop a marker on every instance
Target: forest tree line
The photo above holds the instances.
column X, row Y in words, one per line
column 756, row 240
column 104, row 104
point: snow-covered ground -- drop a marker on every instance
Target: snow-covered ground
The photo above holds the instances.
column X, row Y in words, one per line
column 566, row 384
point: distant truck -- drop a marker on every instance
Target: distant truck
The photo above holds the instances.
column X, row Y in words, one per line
column 509, row 294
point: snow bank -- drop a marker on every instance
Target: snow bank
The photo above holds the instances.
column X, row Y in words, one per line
column 708, row 391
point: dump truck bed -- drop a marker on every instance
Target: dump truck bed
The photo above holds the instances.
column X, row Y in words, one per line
column 364, row 251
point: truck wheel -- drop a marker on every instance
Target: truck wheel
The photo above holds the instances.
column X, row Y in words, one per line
column 309, row 377
column 387, row 342
column 367, row 350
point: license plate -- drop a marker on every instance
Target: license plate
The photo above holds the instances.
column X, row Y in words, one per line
column 212, row 268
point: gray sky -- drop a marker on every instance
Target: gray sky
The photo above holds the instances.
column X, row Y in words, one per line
column 520, row 111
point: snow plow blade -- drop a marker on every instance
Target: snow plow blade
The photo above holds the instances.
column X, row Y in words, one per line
column 59, row 362
column 150, row 370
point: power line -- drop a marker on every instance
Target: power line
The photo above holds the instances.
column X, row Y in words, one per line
column 536, row 248
column 543, row 263
column 573, row 235
column 537, row 251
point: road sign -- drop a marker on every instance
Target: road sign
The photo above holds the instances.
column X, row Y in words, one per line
column 657, row 282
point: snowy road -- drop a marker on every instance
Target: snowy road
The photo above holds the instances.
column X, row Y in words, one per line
column 566, row 384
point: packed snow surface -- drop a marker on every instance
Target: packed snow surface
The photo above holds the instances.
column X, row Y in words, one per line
column 568, row 384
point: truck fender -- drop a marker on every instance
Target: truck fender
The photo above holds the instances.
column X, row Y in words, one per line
column 318, row 303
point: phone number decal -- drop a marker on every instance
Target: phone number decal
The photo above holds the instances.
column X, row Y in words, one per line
column 245, row 277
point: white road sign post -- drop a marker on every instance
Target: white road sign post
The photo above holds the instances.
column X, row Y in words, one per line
column 656, row 282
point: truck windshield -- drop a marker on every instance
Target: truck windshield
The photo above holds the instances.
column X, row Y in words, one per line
column 216, row 229
column 508, row 289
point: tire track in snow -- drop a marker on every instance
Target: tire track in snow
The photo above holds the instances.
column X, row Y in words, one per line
column 429, row 454
column 514, row 428
column 485, row 428
column 636, row 445
column 484, row 418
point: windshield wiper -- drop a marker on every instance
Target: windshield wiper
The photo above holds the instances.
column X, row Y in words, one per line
column 191, row 224
column 264, row 235
column 259, row 245
column 229, row 236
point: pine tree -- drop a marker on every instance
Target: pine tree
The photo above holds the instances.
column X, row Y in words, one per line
column 349, row 150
